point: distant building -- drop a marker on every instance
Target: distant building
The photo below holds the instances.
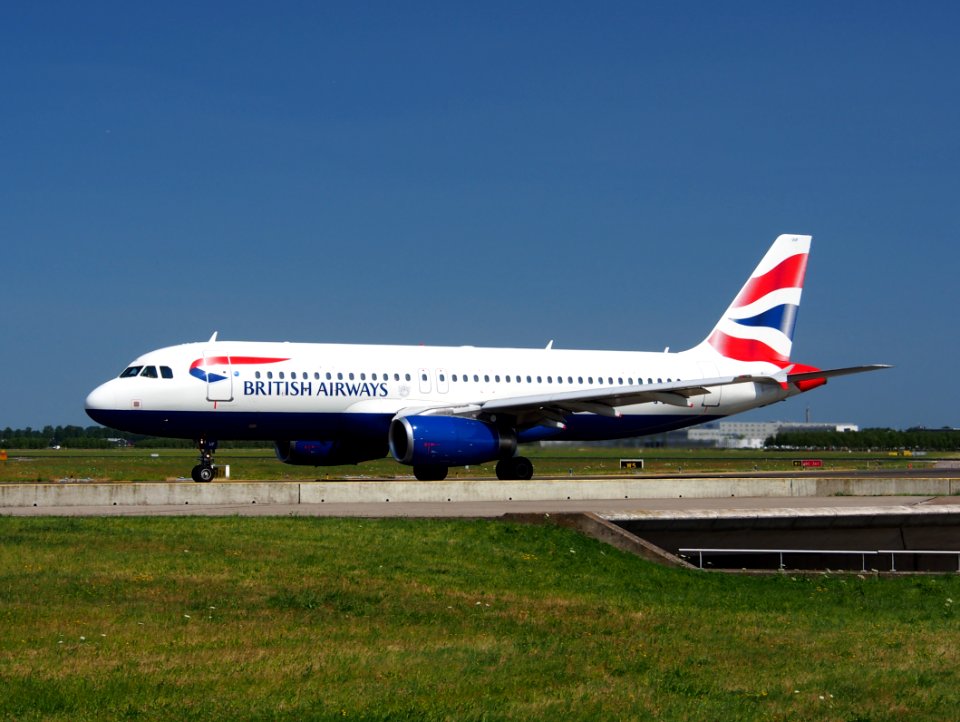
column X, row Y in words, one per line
column 752, row 434
column 716, row 434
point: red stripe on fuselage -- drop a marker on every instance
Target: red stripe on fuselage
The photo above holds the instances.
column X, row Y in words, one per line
column 235, row 360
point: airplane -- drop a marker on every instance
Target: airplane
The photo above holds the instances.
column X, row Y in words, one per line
column 434, row 407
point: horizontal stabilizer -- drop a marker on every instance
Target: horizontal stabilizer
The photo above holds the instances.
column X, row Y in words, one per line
column 830, row 373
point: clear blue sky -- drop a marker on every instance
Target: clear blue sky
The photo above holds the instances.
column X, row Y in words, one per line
column 602, row 174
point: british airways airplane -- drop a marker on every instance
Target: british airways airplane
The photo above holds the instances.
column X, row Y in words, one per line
column 437, row 407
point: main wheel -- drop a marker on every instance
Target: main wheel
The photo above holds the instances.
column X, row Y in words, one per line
column 430, row 473
column 522, row 468
column 517, row 468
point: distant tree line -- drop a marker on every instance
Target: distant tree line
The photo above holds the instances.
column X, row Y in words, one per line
column 870, row 440
column 98, row 437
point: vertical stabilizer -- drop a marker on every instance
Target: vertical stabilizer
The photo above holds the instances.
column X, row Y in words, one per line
column 758, row 325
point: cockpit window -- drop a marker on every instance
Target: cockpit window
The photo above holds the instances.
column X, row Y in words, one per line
column 149, row 372
column 166, row 372
column 131, row 371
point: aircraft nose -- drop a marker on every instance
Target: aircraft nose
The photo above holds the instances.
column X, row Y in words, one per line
column 100, row 399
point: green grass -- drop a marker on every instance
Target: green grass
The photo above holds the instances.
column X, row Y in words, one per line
column 258, row 618
column 136, row 464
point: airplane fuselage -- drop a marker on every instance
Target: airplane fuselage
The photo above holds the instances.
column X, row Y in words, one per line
column 253, row 390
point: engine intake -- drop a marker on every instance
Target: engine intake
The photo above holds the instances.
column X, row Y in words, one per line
column 448, row 441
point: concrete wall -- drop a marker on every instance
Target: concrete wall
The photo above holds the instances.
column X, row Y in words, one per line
column 147, row 494
column 135, row 494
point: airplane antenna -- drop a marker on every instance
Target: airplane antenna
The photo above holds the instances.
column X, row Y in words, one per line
column 550, row 345
column 214, row 337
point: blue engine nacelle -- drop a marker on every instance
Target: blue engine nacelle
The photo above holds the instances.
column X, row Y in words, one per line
column 448, row 441
column 327, row 452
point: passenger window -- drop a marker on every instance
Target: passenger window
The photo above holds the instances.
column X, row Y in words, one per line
column 407, row 376
column 166, row 372
column 149, row 372
column 131, row 371
column 363, row 377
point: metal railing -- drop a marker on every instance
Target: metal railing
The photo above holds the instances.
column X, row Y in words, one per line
column 862, row 553
column 893, row 553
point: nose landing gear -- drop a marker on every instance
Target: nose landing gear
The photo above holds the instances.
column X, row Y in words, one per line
column 206, row 470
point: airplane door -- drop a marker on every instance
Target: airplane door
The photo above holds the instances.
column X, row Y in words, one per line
column 709, row 371
column 424, row 381
column 443, row 383
column 219, row 378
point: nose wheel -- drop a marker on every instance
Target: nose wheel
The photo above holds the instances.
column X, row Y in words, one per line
column 206, row 470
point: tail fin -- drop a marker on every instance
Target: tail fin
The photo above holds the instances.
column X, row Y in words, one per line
column 758, row 325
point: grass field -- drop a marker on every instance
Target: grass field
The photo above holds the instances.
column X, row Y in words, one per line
column 189, row 618
column 136, row 464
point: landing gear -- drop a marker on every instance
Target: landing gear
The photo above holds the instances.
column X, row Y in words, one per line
column 430, row 473
column 205, row 471
column 516, row 468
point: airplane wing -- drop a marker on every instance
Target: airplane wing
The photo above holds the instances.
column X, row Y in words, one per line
column 550, row 409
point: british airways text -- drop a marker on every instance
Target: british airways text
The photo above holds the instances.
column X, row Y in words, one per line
column 308, row 388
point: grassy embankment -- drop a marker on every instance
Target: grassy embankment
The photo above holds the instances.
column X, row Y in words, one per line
column 136, row 464
column 320, row 618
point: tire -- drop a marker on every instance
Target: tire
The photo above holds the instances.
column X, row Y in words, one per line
column 430, row 473
column 517, row 468
column 522, row 468
column 206, row 474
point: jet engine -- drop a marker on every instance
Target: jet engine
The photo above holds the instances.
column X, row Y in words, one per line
column 448, row 441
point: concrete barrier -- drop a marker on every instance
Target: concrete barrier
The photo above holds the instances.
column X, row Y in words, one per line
column 320, row 492
column 148, row 494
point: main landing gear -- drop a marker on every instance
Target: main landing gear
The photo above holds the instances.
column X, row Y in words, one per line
column 206, row 470
column 516, row 468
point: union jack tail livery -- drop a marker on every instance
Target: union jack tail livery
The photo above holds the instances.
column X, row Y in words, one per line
column 758, row 325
